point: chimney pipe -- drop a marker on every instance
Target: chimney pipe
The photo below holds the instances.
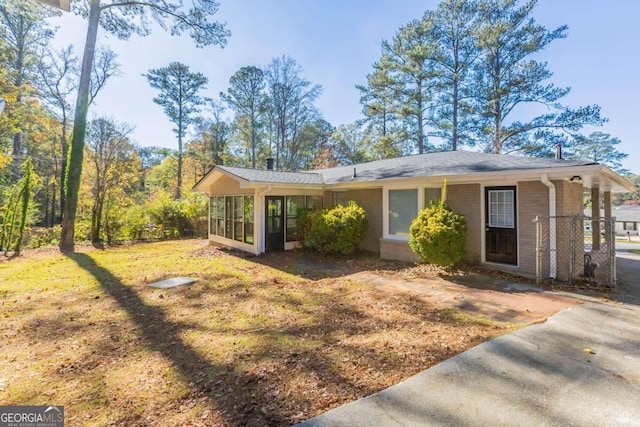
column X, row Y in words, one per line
column 559, row 151
column 270, row 163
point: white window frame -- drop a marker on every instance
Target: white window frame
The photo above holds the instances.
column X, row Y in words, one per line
column 420, row 188
column 483, row 219
column 502, row 215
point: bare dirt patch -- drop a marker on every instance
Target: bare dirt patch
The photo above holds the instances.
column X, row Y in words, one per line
column 256, row 341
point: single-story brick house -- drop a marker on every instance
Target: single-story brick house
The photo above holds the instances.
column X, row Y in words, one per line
column 254, row 210
column 627, row 220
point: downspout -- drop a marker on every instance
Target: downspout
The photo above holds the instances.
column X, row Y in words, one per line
column 552, row 225
column 260, row 220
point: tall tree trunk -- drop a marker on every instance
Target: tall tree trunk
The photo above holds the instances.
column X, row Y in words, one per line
column 16, row 153
column 74, row 168
column 179, row 158
column 253, row 142
column 16, row 166
column 96, row 220
column 53, row 205
column 454, row 122
column 64, row 144
column 497, row 143
column 26, row 198
column 47, row 206
column 51, row 220
column 420, row 120
column 180, row 132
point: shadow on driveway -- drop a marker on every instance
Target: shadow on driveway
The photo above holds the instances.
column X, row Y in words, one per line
column 628, row 278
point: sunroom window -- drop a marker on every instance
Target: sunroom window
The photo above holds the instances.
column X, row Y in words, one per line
column 232, row 217
column 248, row 219
column 294, row 203
column 213, row 209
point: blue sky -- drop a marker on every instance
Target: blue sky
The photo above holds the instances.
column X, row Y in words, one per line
column 336, row 41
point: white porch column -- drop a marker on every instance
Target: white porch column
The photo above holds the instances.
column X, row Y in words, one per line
column 595, row 214
column 607, row 215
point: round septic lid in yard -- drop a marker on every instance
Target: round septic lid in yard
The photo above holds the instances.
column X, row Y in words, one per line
column 172, row 283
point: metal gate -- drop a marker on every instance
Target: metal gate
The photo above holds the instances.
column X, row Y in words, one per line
column 576, row 250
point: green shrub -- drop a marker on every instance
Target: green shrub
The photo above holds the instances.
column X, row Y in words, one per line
column 179, row 218
column 38, row 237
column 136, row 222
column 170, row 216
column 438, row 235
column 82, row 228
column 337, row 230
column 303, row 221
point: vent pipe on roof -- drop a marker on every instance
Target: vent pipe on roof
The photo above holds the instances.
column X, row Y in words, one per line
column 559, row 152
column 355, row 175
column 269, row 163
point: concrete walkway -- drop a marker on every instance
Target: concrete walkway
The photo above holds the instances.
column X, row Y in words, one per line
column 581, row 367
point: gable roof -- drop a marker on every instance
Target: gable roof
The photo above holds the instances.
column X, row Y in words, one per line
column 441, row 164
column 271, row 176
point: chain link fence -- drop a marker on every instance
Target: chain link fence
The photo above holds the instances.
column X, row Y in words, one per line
column 576, row 250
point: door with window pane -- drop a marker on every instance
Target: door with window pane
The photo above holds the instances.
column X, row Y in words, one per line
column 501, row 225
column 274, row 230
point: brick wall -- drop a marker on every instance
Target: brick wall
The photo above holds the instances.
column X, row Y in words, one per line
column 397, row 250
column 569, row 197
column 465, row 199
column 533, row 200
column 371, row 201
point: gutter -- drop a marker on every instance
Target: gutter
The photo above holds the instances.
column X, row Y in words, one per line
column 552, row 225
column 265, row 191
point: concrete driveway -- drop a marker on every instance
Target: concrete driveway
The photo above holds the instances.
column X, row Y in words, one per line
column 581, row 368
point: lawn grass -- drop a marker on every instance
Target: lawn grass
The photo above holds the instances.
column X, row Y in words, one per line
column 247, row 344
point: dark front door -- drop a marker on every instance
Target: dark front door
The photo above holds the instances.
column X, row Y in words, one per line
column 274, row 230
column 501, row 226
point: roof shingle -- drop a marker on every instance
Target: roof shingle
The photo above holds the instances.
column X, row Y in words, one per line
column 441, row 164
column 446, row 163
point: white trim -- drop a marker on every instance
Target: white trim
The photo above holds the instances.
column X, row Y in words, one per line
column 589, row 173
column 553, row 268
column 259, row 218
column 484, row 224
column 242, row 245
column 420, row 187
column 231, row 243
column 385, row 211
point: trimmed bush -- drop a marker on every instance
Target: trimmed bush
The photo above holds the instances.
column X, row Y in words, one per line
column 337, row 230
column 438, row 235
